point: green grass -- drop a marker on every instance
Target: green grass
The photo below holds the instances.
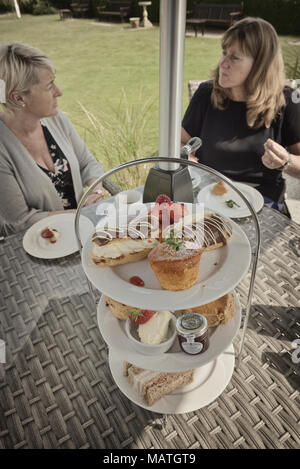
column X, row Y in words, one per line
column 97, row 63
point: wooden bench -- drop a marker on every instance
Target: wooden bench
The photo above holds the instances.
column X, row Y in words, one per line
column 65, row 13
column 80, row 9
column 115, row 10
column 214, row 13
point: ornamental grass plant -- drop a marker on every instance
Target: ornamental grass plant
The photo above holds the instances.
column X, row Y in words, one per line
column 120, row 135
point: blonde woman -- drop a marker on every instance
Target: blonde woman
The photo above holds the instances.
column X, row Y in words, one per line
column 248, row 120
column 44, row 164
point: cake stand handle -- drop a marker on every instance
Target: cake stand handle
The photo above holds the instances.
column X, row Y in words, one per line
column 181, row 161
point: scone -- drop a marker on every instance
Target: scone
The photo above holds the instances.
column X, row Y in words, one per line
column 116, row 246
column 217, row 312
column 219, row 188
column 175, row 269
column 118, row 309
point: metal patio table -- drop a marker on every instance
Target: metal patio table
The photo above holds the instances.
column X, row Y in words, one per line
column 56, row 389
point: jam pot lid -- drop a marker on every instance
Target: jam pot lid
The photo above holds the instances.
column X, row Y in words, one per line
column 191, row 323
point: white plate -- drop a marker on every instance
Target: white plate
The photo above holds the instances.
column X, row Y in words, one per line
column 219, row 272
column 209, row 382
column 114, row 334
column 66, row 244
column 218, row 202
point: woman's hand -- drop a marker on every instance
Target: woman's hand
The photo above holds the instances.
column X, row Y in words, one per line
column 96, row 195
column 193, row 158
column 93, row 198
column 275, row 155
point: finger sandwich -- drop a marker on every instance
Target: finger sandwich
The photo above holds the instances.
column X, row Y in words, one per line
column 153, row 385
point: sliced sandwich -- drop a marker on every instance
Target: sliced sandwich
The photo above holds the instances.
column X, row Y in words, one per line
column 153, row 385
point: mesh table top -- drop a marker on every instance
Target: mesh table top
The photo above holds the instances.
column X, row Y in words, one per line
column 56, row 388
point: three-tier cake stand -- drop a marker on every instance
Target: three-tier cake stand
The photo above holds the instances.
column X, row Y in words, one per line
column 220, row 271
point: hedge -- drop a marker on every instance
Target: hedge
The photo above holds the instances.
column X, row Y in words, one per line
column 283, row 14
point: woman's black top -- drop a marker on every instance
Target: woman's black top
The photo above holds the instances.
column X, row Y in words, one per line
column 233, row 148
column 62, row 176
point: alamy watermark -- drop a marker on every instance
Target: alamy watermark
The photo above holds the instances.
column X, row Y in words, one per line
column 296, row 352
column 2, row 352
column 145, row 219
column 296, row 93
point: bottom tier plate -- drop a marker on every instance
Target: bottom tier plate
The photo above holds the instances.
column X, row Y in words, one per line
column 209, row 382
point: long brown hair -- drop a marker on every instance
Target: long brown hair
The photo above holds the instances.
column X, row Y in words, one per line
column 265, row 82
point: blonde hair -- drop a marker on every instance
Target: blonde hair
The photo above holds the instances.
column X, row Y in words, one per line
column 19, row 65
column 265, row 82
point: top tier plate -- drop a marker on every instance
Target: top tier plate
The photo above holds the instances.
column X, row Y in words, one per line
column 219, row 272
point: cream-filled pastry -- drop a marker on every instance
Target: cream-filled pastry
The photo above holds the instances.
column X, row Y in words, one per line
column 115, row 246
column 210, row 231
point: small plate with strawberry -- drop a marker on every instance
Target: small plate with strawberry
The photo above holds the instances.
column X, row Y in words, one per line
column 54, row 236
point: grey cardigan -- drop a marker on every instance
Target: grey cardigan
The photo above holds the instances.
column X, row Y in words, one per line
column 26, row 192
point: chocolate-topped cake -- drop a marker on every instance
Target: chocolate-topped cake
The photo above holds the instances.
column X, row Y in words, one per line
column 212, row 231
column 124, row 244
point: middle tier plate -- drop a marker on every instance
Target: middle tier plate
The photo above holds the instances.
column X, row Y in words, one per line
column 219, row 272
column 114, row 334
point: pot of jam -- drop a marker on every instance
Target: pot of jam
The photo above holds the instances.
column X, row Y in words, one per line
column 192, row 332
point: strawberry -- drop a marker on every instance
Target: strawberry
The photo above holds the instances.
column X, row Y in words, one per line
column 177, row 211
column 47, row 233
column 154, row 211
column 161, row 198
column 140, row 316
column 169, row 212
column 159, row 209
